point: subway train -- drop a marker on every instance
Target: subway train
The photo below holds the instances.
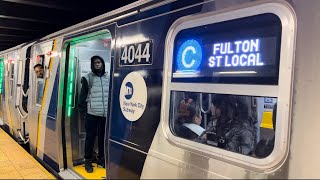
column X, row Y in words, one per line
column 198, row 89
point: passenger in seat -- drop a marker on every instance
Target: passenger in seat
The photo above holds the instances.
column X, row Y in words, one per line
column 38, row 69
column 189, row 120
column 93, row 105
column 230, row 126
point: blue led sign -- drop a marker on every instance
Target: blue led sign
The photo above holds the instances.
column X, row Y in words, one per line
column 189, row 56
column 236, row 53
column 245, row 50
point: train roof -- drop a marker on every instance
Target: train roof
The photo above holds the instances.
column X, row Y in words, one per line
column 109, row 17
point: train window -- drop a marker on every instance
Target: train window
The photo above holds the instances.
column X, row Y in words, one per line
column 39, row 77
column 39, row 93
column 11, row 76
column 11, row 70
column 11, row 87
column 25, row 85
column 224, row 91
column 229, row 122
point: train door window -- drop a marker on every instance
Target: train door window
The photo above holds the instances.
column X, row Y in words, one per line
column 39, row 72
column 12, row 70
column 224, row 91
column 225, row 121
column 25, row 85
column 11, row 77
column 39, row 92
column 81, row 51
column 39, row 66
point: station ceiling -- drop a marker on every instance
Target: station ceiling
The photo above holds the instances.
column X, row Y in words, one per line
column 25, row 20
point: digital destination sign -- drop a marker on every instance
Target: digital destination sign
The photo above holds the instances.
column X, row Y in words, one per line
column 243, row 48
column 236, row 53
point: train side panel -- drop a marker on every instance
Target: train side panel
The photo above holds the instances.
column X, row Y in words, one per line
column 42, row 102
column 130, row 140
column 147, row 91
column 304, row 156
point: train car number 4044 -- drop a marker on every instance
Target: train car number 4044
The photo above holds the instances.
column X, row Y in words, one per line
column 136, row 54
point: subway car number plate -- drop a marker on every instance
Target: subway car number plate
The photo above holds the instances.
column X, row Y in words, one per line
column 136, row 54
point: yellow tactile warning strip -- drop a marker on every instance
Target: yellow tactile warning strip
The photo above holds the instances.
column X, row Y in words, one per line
column 98, row 173
column 16, row 163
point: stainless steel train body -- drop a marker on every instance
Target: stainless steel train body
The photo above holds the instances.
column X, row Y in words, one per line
column 151, row 50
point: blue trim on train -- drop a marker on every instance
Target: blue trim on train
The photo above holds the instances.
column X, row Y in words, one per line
column 52, row 111
column 139, row 134
column 51, row 123
column 54, row 165
column 54, row 97
column 122, row 164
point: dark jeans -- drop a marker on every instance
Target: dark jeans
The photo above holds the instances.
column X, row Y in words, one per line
column 94, row 124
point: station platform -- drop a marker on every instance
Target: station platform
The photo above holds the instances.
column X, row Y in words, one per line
column 16, row 163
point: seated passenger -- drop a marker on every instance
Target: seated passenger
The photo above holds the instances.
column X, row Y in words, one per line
column 189, row 120
column 230, row 125
column 265, row 146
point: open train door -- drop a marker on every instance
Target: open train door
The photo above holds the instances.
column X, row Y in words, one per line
column 77, row 53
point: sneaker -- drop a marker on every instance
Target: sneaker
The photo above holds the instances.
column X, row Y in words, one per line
column 88, row 166
column 101, row 163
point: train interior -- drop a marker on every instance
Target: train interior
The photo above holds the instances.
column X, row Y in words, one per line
column 216, row 114
column 81, row 49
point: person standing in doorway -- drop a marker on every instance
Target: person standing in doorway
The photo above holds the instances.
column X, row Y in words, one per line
column 93, row 105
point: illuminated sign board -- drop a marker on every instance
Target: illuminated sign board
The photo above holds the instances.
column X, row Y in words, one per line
column 237, row 53
column 244, row 50
column 190, row 56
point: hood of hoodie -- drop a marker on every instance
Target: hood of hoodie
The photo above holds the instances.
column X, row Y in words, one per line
column 98, row 72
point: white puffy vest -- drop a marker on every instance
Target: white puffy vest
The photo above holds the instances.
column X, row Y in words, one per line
column 97, row 100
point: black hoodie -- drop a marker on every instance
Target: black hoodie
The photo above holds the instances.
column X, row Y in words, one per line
column 82, row 104
column 98, row 72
